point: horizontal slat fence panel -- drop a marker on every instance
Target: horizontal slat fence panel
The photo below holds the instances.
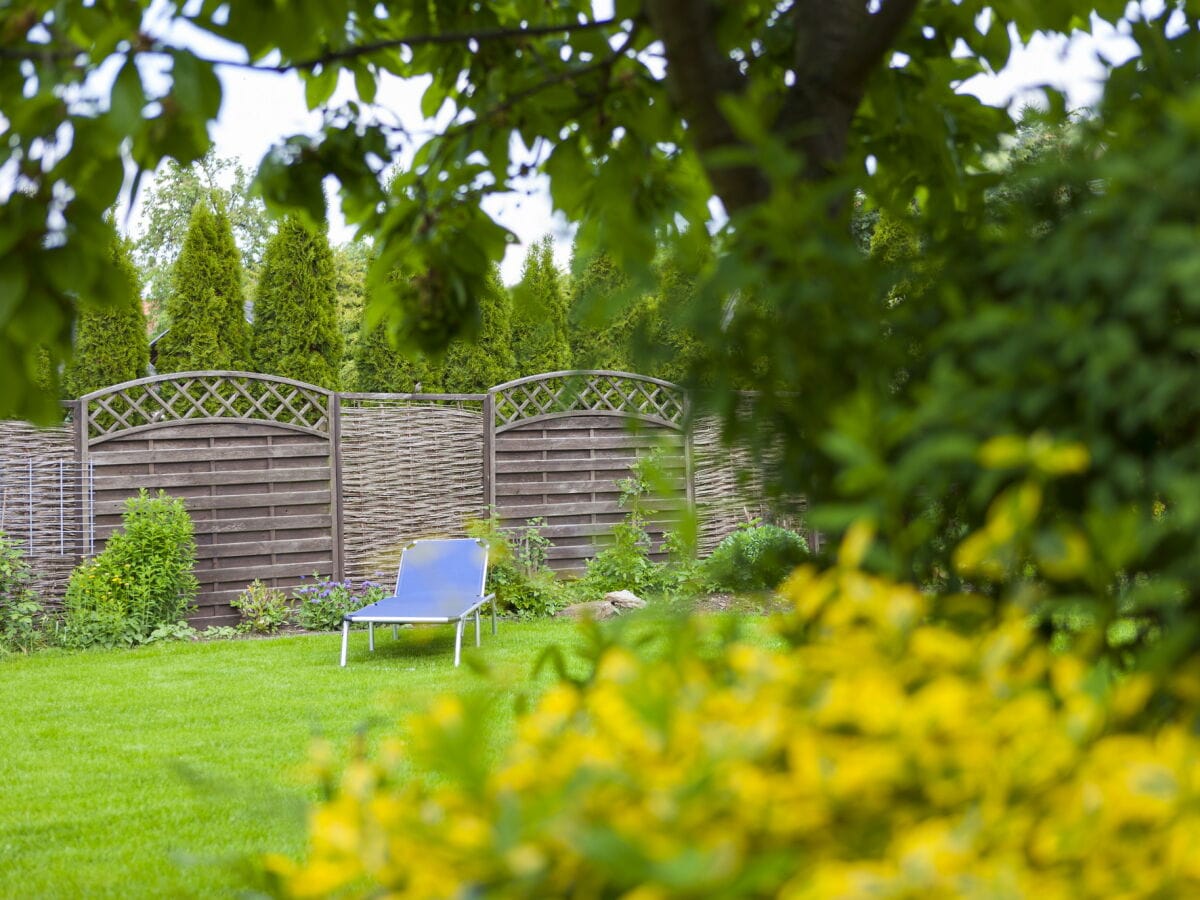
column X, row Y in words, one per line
column 566, row 471
column 259, row 496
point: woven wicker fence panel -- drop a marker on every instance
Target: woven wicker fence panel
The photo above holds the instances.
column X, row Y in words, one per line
column 410, row 469
column 728, row 486
column 41, row 484
column 260, row 498
column 566, row 471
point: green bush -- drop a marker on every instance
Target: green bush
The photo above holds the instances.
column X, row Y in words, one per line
column 323, row 602
column 264, row 609
column 516, row 568
column 754, row 558
column 141, row 581
column 624, row 564
column 21, row 611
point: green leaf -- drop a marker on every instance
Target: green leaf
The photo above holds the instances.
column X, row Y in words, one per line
column 319, row 88
column 366, row 83
column 127, row 99
column 14, row 280
column 196, row 85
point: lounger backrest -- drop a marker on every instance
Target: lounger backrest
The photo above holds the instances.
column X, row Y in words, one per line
column 454, row 566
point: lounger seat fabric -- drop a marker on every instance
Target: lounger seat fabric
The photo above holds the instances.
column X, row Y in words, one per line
column 437, row 581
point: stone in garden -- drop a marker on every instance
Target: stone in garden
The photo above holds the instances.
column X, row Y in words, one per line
column 624, row 600
column 599, row 610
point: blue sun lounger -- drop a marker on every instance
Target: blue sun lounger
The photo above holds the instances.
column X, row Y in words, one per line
column 438, row 581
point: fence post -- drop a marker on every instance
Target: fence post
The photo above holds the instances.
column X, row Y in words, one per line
column 489, row 452
column 335, row 477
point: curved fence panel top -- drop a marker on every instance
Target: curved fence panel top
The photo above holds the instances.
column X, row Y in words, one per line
column 198, row 397
column 591, row 392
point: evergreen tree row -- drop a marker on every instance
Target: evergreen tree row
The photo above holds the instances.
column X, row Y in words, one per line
column 309, row 320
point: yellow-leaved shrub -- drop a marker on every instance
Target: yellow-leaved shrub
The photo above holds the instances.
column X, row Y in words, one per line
column 873, row 750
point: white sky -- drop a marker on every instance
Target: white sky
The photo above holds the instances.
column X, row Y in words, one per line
column 259, row 109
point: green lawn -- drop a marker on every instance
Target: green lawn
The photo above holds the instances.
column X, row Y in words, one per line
column 159, row 771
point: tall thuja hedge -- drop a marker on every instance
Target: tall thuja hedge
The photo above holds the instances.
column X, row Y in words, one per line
column 296, row 332
column 663, row 340
column 384, row 367
column 603, row 313
column 111, row 345
column 475, row 364
column 206, row 307
column 541, row 333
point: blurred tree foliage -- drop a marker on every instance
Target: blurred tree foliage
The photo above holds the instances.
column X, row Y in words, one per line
column 383, row 367
column 604, row 305
column 483, row 358
column 111, row 345
column 167, row 208
column 296, row 332
column 206, row 307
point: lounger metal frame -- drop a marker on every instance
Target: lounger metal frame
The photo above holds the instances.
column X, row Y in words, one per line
column 406, row 619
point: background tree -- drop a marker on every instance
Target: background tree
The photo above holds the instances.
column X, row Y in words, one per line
column 167, row 209
column 663, row 342
column 474, row 364
column 350, row 264
column 604, row 306
column 385, row 367
column 541, row 330
column 296, row 332
column 206, row 306
column 111, row 345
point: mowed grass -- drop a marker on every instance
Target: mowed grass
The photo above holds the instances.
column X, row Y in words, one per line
column 162, row 771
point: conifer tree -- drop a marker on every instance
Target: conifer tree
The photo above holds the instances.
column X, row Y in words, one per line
column 541, row 333
column 474, row 365
column 663, row 343
column 206, row 307
column 384, row 368
column 111, row 345
column 296, row 332
column 602, row 320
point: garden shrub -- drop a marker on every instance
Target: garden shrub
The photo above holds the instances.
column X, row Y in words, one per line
column 142, row 580
column 517, row 572
column 753, row 558
column 885, row 744
column 323, row 602
column 625, row 564
column 21, row 611
column 264, row 609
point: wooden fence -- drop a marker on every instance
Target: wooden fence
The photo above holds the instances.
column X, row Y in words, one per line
column 285, row 479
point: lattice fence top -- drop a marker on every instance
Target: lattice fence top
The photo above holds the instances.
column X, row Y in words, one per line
column 205, row 397
column 588, row 393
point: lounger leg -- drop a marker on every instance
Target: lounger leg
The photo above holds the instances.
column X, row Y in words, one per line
column 458, row 641
column 476, row 627
column 371, row 636
column 395, row 632
column 345, row 640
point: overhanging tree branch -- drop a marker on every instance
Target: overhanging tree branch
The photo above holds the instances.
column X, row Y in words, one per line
column 416, row 40
column 700, row 76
